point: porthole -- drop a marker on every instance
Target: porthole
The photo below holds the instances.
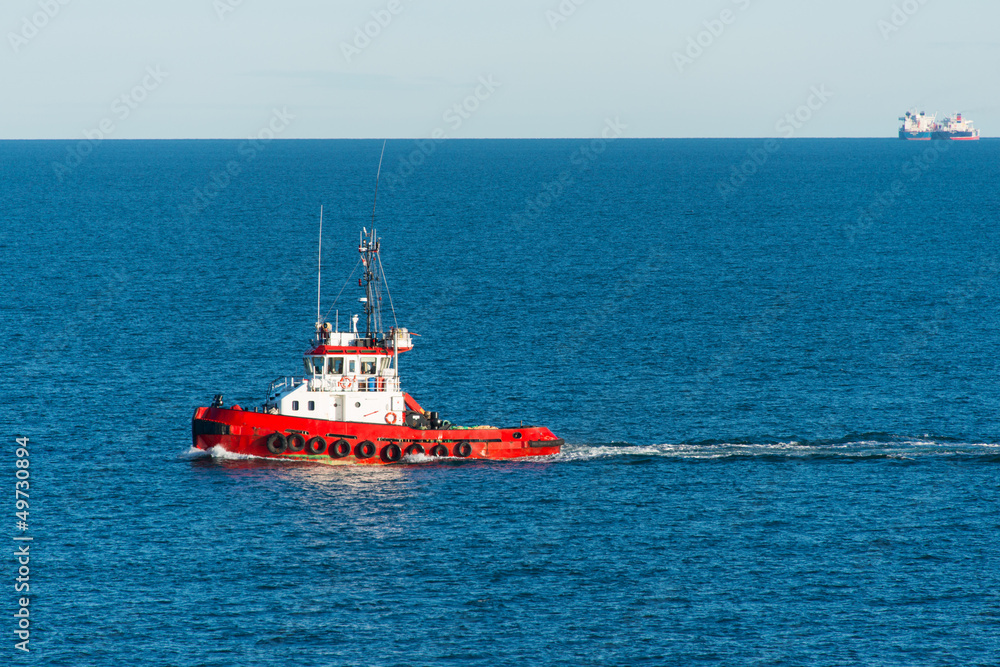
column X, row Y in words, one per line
column 295, row 405
column 357, row 405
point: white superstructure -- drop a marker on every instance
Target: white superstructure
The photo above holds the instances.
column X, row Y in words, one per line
column 918, row 122
column 349, row 378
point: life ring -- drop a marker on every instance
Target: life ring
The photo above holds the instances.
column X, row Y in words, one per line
column 316, row 446
column 390, row 418
column 414, row 450
column 463, row 449
column 364, row 450
column 276, row 443
column 339, row 449
column 296, row 443
column 439, row 450
column 344, row 382
column 391, row 453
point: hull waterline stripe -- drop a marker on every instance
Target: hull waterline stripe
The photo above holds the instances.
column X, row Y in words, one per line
column 443, row 440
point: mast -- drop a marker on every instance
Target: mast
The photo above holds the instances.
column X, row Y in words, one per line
column 371, row 280
column 369, row 248
column 319, row 268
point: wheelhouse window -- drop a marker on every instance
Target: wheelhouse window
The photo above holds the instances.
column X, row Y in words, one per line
column 368, row 367
column 350, row 366
column 336, row 366
column 318, row 363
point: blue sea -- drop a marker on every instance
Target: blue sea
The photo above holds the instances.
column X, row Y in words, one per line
column 776, row 366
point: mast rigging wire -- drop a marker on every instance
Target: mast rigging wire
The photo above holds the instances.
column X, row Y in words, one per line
column 349, row 276
column 386, row 283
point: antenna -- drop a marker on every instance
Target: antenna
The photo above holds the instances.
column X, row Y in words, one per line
column 379, row 173
column 319, row 268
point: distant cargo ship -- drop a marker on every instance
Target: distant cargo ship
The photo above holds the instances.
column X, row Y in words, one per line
column 923, row 127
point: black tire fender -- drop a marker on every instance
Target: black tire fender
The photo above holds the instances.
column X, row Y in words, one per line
column 296, row 443
column 391, row 453
column 315, row 446
column 276, row 443
column 364, row 449
column 339, row 449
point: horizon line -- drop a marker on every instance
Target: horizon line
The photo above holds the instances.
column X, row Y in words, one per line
column 447, row 139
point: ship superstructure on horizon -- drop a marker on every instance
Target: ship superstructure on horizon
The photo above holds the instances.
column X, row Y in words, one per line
column 924, row 127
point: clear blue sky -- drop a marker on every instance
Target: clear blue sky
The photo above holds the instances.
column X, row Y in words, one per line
column 225, row 65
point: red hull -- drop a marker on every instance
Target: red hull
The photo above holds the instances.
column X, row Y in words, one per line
column 242, row 432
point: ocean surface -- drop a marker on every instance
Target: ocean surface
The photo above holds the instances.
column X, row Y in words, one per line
column 776, row 366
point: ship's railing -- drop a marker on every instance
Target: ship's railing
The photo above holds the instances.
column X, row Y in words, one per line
column 280, row 383
column 353, row 383
column 344, row 383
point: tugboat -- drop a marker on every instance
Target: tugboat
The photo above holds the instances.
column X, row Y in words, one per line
column 350, row 408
